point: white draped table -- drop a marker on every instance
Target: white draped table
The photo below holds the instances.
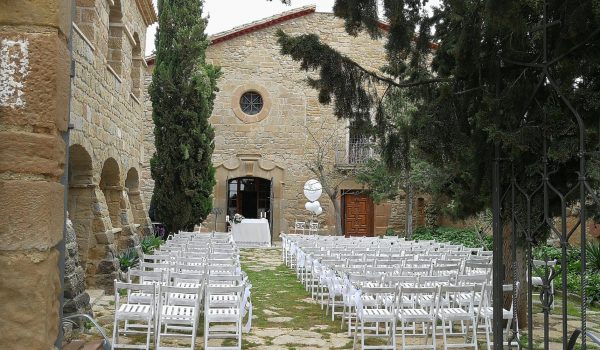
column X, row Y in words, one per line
column 252, row 233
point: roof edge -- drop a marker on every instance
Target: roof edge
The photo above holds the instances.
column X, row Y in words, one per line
column 261, row 24
column 147, row 11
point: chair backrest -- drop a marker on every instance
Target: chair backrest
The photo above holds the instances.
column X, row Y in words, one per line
column 410, row 295
column 465, row 280
column 185, row 277
column 179, row 296
column 128, row 288
column 145, row 277
column 464, row 293
column 299, row 226
column 434, row 281
column 394, row 281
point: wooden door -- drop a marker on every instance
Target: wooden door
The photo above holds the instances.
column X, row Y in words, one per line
column 358, row 215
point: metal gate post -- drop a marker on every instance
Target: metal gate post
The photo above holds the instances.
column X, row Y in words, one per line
column 498, row 265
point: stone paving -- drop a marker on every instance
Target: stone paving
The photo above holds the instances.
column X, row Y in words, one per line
column 286, row 318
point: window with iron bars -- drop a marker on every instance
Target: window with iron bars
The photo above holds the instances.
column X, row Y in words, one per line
column 358, row 150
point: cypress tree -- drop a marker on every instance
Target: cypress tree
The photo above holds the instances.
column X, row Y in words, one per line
column 182, row 92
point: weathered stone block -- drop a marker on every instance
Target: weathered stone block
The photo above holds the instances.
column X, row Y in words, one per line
column 31, row 214
column 53, row 13
column 29, row 291
column 40, row 97
column 23, row 152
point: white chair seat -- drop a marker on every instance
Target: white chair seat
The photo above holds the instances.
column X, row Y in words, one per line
column 134, row 312
column 224, row 300
column 488, row 311
column 454, row 314
column 376, row 315
column 414, row 315
column 174, row 314
column 223, row 315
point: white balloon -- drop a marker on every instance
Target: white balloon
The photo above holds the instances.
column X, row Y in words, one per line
column 313, row 206
column 313, row 190
column 319, row 211
column 308, row 206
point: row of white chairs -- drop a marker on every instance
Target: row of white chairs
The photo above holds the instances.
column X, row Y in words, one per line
column 191, row 274
column 303, row 227
column 380, row 281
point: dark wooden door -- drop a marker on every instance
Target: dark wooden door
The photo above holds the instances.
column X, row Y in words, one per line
column 358, row 215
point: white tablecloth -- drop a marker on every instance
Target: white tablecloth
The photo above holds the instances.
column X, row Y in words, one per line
column 252, row 233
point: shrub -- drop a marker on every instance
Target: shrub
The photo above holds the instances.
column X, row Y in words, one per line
column 465, row 236
column 128, row 258
column 149, row 243
column 593, row 256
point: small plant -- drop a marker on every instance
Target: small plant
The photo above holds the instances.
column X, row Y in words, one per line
column 128, row 258
column 390, row 232
column 593, row 256
column 149, row 243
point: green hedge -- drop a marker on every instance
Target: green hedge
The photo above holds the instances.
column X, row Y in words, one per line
column 466, row 236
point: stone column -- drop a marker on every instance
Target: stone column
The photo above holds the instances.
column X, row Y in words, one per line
column 34, row 99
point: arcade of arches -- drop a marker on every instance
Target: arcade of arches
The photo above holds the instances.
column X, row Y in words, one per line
column 107, row 213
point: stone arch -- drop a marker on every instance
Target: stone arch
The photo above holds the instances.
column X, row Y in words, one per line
column 136, row 66
column 114, row 54
column 81, row 199
column 251, row 165
column 112, row 190
column 138, row 209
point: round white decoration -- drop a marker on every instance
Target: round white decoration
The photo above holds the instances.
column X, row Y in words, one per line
column 313, row 190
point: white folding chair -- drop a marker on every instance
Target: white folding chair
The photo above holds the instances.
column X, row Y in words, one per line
column 313, row 228
column 299, row 226
column 177, row 317
column 539, row 268
column 450, row 313
column 412, row 315
column 223, row 322
column 126, row 312
column 380, row 314
column 486, row 313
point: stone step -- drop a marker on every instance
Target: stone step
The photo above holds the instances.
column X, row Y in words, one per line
column 74, row 345
column 95, row 295
column 82, row 345
column 93, row 345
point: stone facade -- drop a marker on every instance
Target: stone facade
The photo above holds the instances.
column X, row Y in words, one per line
column 34, row 95
column 275, row 143
column 107, row 107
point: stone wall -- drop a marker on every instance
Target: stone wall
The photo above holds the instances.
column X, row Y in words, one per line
column 105, row 202
column 275, row 144
column 34, row 95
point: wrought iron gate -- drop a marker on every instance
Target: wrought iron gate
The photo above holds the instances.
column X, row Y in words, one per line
column 524, row 211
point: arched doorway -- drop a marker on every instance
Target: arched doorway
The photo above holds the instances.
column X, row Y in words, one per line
column 81, row 199
column 132, row 183
column 249, row 196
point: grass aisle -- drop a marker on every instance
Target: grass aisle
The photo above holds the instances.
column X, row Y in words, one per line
column 285, row 315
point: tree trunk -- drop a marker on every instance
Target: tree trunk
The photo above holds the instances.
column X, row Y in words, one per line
column 409, row 211
column 338, row 215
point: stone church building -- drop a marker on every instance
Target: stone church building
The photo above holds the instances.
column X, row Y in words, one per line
column 269, row 124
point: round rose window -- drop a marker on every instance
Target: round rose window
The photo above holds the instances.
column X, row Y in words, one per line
column 251, row 102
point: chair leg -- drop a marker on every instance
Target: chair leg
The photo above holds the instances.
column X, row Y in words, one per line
column 115, row 337
column 402, row 326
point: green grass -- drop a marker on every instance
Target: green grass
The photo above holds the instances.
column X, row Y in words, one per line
column 279, row 291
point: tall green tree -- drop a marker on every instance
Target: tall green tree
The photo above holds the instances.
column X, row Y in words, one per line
column 477, row 82
column 182, row 92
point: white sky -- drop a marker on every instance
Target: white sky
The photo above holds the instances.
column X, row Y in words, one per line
column 227, row 14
